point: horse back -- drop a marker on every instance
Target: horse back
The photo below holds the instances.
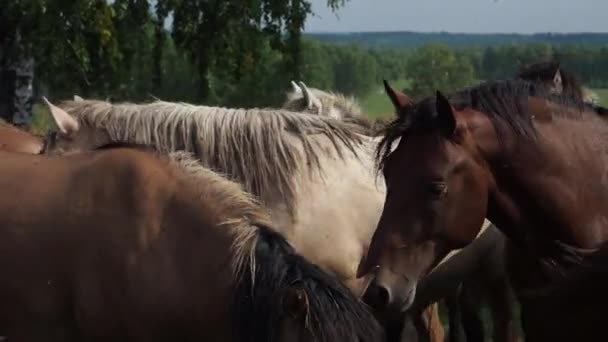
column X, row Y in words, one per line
column 86, row 242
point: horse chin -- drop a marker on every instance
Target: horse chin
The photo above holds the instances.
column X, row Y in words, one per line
column 409, row 301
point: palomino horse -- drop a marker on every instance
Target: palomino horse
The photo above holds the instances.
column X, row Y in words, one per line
column 460, row 278
column 120, row 245
column 302, row 98
column 314, row 101
column 318, row 102
column 535, row 164
column 13, row 139
column 313, row 173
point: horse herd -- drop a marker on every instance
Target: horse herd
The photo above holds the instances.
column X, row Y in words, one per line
column 169, row 221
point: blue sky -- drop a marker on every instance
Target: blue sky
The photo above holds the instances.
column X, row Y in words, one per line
column 470, row 16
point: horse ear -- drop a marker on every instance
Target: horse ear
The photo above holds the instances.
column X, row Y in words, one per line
column 399, row 99
column 65, row 122
column 295, row 303
column 311, row 99
column 557, row 80
column 445, row 119
column 295, row 88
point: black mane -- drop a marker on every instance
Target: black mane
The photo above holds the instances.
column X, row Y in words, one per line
column 545, row 71
column 334, row 313
column 502, row 101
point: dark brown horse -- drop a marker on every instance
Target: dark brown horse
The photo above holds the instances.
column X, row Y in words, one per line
column 124, row 245
column 474, row 275
column 531, row 162
column 13, row 139
column 555, row 78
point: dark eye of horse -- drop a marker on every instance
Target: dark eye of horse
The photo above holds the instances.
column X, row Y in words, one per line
column 438, row 189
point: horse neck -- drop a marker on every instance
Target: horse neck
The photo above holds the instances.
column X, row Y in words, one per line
column 555, row 185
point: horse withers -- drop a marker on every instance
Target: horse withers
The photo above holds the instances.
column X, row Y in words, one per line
column 122, row 244
column 531, row 161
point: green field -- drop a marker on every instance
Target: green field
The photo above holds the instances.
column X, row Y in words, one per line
column 376, row 103
column 603, row 94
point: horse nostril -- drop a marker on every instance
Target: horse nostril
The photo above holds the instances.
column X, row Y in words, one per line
column 377, row 296
column 383, row 296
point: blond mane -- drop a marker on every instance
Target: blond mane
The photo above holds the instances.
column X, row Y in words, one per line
column 240, row 212
column 254, row 147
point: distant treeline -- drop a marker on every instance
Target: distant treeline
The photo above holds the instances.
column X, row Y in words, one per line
column 347, row 68
column 407, row 39
column 352, row 69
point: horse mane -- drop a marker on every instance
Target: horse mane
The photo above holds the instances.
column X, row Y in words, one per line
column 265, row 266
column 334, row 314
column 544, row 71
column 241, row 212
column 345, row 104
column 502, row 101
column 253, row 146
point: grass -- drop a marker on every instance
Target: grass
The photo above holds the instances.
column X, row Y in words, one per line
column 603, row 94
column 41, row 119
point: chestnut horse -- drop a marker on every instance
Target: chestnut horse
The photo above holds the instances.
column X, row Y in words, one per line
column 531, row 162
column 13, row 139
column 121, row 244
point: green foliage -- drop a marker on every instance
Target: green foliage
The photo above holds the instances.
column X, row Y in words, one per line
column 437, row 67
column 236, row 53
column 233, row 36
column 355, row 72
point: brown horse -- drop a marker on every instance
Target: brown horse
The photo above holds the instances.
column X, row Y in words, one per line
column 476, row 269
column 557, row 80
column 122, row 245
column 13, row 139
column 535, row 165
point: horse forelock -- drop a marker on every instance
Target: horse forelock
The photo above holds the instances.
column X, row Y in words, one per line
column 333, row 313
column 252, row 146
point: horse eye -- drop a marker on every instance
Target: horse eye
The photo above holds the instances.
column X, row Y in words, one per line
column 438, row 189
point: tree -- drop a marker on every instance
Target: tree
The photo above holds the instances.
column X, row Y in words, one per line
column 229, row 33
column 355, row 71
column 72, row 37
column 95, row 47
column 436, row 67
